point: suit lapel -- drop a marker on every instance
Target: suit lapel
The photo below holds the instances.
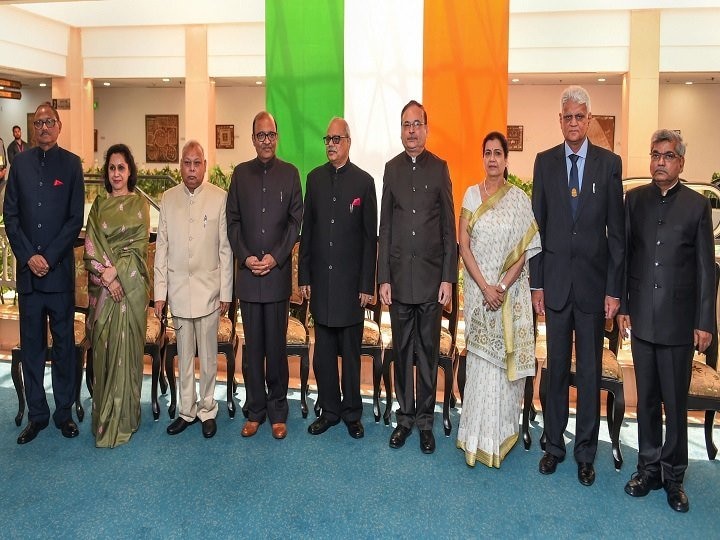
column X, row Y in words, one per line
column 561, row 184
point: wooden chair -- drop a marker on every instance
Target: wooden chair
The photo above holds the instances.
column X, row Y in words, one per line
column 611, row 381
column 81, row 341
column 372, row 346
column 227, row 340
column 446, row 360
column 704, row 394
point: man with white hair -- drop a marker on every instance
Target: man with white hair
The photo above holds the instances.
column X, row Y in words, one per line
column 577, row 277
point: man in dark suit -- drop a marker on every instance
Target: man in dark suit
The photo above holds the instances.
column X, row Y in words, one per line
column 577, row 278
column 338, row 255
column 417, row 265
column 43, row 212
column 264, row 211
column 670, row 299
column 17, row 146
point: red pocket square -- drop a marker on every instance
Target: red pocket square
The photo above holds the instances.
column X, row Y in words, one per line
column 57, row 182
column 356, row 201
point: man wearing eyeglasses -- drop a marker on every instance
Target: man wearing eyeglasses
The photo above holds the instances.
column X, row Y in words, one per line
column 417, row 264
column 264, row 215
column 43, row 212
column 576, row 280
column 669, row 310
column 338, row 254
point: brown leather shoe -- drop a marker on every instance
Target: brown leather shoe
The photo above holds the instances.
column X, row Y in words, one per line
column 250, row 428
column 279, row 431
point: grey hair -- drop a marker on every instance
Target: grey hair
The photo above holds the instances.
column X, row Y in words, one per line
column 577, row 94
column 192, row 143
column 347, row 126
column 662, row 135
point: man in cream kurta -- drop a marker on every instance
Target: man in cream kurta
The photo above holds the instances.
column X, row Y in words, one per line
column 193, row 270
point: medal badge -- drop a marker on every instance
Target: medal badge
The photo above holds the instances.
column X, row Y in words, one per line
column 573, row 192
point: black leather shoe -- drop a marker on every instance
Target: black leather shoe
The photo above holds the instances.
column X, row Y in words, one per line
column 398, row 436
column 676, row 497
column 641, row 482
column 548, row 463
column 209, row 428
column 355, row 429
column 180, row 425
column 31, row 431
column 427, row 441
column 69, row 429
column 586, row 474
column 321, row 425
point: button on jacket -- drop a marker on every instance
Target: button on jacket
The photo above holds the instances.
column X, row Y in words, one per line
column 264, row 213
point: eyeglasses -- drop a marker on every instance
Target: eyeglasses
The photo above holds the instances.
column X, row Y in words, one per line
column 667, row 156
column 334, row 138
column 49, row 122
column 567, row 118
column 415, row 124
column 269, row 135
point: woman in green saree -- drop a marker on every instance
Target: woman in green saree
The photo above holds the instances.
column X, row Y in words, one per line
column 498, row 235
column 116, row 244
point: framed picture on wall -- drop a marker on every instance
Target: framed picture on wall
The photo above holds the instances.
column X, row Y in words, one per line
column 225, row 136
column 515, row 138
column 161, row 138
column 601, row 131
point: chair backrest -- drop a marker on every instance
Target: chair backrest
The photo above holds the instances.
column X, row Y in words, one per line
column 7, row 264
column 451, row 311
column 711, row 354
column 81, row 280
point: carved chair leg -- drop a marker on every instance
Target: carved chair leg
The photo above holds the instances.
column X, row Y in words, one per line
column 79, row 411
column 155, row 354
column 543, row 396
column 618, row 414
column 527, row 405
column 377, row 376
column 170, row 352
column 387, row 360
column 304, row 376
column 709, row 444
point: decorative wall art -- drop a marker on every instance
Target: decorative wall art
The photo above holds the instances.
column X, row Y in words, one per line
column 225, row 136
column 161, row 138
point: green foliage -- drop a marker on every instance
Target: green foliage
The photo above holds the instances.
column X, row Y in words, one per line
column 715, row 176
column 525, row 186
column 220, row 178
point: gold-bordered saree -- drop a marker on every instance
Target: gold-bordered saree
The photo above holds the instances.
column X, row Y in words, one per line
column 117, row 235
column 502, row 228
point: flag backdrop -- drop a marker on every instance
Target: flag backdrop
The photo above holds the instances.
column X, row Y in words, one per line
column 365, row 59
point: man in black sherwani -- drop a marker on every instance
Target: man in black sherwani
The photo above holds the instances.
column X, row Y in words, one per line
column 417, row 264
column 338, row 253
column 670, row 299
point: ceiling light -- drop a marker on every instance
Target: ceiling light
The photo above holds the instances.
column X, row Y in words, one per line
column 516, row 80
column 106, row 84
column 688, row 82
column 259, row 83
column 43, row 85
column 166, row 79
column 601, row 79
column 2, row 88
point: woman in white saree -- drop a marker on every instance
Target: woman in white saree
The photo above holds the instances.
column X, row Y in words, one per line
column 498, row 235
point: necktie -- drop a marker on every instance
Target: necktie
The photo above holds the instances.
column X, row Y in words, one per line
column 574, row 184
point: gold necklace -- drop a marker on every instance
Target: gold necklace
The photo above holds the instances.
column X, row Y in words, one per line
column 485, row 187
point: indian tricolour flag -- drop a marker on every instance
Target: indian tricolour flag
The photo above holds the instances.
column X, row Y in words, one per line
column 364, row 59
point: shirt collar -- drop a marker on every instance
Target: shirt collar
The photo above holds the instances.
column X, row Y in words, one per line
column 265, row 166
column 582, row 151
column 197, row 191
column 419, row 159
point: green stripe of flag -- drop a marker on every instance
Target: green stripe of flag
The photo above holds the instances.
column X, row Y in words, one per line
column 305, row 71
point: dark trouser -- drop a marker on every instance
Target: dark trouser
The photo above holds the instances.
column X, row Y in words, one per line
column 662, row 375
column 35, row 310
column 265, row 327
column 416, row 336
column 331, row 342
column 589, row 332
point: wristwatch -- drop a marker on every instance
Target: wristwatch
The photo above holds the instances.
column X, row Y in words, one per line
column 502, row 286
